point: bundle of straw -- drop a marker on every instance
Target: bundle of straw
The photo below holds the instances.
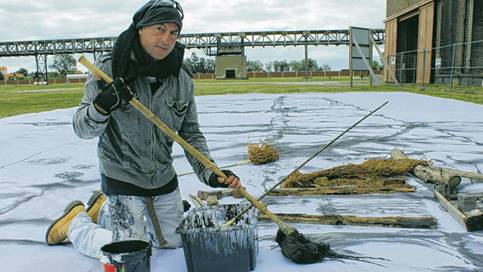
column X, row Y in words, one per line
column 262, row 153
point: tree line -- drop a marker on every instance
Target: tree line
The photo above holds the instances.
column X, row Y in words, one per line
column 66, row 64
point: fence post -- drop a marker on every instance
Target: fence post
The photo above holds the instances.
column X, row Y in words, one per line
column 452, row 65
column 424, row 66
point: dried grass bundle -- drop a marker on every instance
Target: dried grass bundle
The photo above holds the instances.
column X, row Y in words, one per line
column 262, row 153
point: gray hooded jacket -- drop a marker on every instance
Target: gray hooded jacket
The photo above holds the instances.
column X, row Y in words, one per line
column 131, row 148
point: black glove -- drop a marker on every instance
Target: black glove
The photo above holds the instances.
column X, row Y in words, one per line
column 113, row 95
column 213, row 181
column 186, row 206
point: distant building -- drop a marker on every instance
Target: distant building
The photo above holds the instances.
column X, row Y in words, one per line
column 15, row 76
column 427, row 31
column 4, row 70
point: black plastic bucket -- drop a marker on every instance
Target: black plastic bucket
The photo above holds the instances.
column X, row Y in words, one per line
column 210, row 247
column 127, row 256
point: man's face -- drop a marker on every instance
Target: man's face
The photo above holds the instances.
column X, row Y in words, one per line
column 159, row 40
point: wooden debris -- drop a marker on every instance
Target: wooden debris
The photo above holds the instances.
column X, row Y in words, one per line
column 433, row 174
column 218, row 194
column 348, row 190
column 472, row 220
column 376, row 181
column 370, row 170
column 212, row 200
column 197, row 201
column 422, row 222
column 469, row 201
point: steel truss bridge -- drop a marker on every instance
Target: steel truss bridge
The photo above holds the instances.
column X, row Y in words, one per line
column 211, row 43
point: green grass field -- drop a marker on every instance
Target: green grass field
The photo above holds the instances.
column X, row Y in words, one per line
column 36, row 98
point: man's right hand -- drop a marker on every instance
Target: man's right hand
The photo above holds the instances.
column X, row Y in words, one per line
column 112, row 96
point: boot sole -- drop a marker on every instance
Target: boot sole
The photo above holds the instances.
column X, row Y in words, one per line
column 69, row 208
column 92, row 201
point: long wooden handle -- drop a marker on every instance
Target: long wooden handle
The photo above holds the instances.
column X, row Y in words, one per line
column 186, row 146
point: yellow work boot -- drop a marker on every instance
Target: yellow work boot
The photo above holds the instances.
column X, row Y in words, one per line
column 94, row 205
column 57, row 231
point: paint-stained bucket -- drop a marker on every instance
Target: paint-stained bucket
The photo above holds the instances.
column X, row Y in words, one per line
column 126, row 256
column 208, row 246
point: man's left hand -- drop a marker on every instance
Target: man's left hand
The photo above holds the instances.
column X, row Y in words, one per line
column 231, row 181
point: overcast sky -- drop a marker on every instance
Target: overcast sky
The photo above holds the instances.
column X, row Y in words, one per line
column 55, row 19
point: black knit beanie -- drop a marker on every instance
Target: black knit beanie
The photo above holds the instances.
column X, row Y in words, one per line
column 158, row 12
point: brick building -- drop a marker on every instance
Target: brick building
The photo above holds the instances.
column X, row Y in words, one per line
column 434, row 41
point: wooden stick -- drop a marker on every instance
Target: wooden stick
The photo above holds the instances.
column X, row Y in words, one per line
column 421, row 222
column 196, row 200
column 188, row 148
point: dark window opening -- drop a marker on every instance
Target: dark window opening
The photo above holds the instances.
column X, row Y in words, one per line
column 230, row 74
column 407, row 46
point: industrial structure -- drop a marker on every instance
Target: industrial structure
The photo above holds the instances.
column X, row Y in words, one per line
column 228, row 48
column 434, row 41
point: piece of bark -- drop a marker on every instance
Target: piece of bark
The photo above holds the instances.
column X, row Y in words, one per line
column 431, row 173
column 421, row 222
column 373, row 182
column 342, row 190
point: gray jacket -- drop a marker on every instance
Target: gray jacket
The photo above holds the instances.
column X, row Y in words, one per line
column 131, row 148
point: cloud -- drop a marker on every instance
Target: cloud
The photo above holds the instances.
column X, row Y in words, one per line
column 57, row 19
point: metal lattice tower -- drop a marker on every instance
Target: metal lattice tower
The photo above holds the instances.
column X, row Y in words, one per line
column 41, row 64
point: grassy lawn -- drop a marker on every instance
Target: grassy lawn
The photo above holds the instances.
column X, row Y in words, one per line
column 36, row 98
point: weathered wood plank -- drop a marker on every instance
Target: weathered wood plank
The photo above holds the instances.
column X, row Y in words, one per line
column 422, row 222
column 472, row 220
column 342, row 190
column 457, row 214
